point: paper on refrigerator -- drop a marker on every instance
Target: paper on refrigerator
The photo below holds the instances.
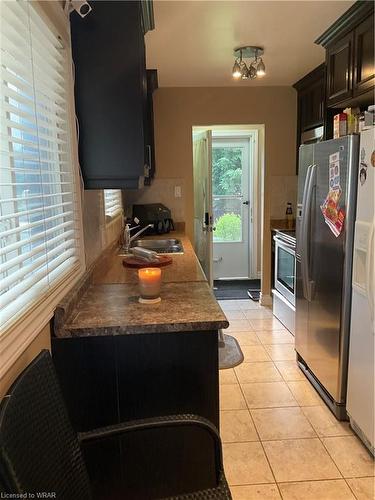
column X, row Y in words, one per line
column 334, row 215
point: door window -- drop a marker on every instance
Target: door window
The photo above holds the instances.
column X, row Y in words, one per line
column 228, row 162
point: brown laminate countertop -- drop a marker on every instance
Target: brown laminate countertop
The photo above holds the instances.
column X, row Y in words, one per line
column 109, row 304
column 115, row 310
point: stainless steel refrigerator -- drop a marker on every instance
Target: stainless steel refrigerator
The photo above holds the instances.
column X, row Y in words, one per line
column 327, row 186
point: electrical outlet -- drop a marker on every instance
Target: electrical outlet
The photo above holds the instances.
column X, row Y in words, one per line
column 177, row 191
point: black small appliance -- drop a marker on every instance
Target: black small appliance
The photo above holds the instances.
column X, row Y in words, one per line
column 154, row 213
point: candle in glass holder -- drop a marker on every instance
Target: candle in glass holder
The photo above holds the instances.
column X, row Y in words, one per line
column 149, row 284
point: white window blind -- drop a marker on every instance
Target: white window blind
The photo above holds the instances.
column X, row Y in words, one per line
column 39, row 237
column 112, row 202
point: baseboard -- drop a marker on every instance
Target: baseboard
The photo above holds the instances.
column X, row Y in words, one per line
column 265, row 300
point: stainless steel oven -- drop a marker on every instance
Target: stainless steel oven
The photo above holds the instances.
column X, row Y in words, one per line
column 285, row 266
column 284, row 299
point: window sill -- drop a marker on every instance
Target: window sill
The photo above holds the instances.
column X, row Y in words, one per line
column 110, row 220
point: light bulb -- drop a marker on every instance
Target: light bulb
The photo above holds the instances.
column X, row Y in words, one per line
column 236, row 71
column 261, row 69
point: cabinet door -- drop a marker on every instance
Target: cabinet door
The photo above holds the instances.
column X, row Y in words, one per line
column 304, row 105
column 312, row 105
column 340, row 70
column 86, row 368
column 108, row 54
column 317, row 103
column 167, row 374
column 364, row 70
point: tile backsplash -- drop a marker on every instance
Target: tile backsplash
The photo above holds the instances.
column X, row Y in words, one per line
column 283, row 188
column 160, row 191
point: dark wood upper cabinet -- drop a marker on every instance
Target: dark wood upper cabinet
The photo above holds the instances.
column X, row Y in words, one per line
column 364, row 71
column 340, row 69
column 310, row 101
column 311, row 98
column 349, row 45
column 111, row 93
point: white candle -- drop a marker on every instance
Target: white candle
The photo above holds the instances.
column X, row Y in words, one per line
column 149, row 282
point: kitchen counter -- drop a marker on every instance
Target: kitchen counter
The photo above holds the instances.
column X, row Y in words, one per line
column 184, row 268
column 113, row 309
column 108, row 302
column 119, row 360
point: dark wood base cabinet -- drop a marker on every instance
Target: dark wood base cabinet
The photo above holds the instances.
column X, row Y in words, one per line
column 111, row 379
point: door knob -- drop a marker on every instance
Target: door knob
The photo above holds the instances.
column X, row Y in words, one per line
column 245, row 202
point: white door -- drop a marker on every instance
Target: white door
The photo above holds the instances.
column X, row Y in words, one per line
column 202, row 146
column 232, row 206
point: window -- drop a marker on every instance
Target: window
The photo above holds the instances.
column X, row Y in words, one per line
column 39, row 204
column 230, row 186
column 112, row 202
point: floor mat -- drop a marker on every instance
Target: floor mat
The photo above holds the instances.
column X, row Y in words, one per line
column 254, row 295
column 235, row 289
column 230, row 353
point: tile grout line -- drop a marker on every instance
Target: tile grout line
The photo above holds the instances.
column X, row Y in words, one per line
column 350, row 488
column 333, row 460
column 260, row 441
column 300, row 406
column 318, row 437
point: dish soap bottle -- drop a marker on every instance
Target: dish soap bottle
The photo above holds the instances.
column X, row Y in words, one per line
column 289, row 215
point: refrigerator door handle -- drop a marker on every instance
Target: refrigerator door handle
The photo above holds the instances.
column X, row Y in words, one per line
column 370, row 273
column 305, row 232
column 303, row 245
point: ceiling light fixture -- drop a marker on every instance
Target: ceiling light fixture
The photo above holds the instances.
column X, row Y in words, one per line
column 253, row 69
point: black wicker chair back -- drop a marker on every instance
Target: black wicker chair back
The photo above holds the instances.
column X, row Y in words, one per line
column 39, row 451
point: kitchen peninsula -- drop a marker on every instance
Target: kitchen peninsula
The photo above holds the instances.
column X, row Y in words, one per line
column 119, row 360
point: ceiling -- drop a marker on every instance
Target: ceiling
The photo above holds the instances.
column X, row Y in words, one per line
column 192, row 44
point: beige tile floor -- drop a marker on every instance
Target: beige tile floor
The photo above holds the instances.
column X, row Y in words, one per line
column 279, row 439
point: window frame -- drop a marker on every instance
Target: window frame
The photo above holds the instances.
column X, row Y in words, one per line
column 19, row 335
column 109, row 219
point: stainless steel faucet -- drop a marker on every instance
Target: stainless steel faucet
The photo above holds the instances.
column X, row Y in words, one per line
column 128, row 239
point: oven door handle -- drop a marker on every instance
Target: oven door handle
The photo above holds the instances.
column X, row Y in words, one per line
column 310, row 182
column 283, row 243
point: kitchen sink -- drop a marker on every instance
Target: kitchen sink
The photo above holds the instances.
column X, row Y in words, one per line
column 168, row 245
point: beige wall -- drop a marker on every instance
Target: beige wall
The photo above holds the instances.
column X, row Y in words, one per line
column 97, row 233
column 177, row 110
column 283, row 188
column 161, row 191
column 42, row 341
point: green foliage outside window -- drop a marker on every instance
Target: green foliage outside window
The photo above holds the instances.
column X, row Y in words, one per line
column 226, row 170
column 228, row 228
